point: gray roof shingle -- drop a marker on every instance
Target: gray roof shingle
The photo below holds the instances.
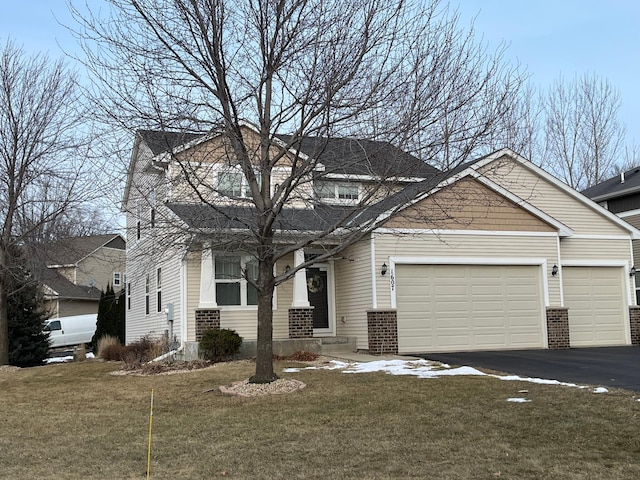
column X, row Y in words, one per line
column 614, row 186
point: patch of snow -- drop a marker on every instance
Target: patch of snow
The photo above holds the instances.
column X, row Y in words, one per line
column 423, row 369
column 68, row 358
column 600, row 390
column 518, row 400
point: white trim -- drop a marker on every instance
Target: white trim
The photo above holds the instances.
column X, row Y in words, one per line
column 596, row 263
column 602, row 237
column 364, row 178
column 507, row 233
column 300, row 296
column 331, row 300
column 560, row 274
column 183, row 300
column 374, row 283
column 207, row 297
column 629, row 213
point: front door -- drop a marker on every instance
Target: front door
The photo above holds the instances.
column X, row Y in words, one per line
column 317, row 287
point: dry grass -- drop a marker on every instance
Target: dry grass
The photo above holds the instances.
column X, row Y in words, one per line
column 105, row 343
column 75, row 421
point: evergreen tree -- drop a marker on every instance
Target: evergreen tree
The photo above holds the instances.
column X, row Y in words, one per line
column 110, row 316
column 28, row 344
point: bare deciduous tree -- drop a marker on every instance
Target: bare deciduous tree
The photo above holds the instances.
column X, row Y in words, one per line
column 583, row 134
column 318, row 70
column 40, row 167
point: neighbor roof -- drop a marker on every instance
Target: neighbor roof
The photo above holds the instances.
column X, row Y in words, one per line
column 64, row 288
column 615, row 186
column 69, row 251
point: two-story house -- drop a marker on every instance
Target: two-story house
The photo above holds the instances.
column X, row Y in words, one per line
column 494, row 254
column 78, row 269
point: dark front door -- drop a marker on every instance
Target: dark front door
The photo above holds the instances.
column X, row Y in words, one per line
column 317, row 291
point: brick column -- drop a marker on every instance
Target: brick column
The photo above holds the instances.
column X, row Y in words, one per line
column 206, row 319
column 558, row 328
column 383, row 331
column 634, row 320
column 301, row 322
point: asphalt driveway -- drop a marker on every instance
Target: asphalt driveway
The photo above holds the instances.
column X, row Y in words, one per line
column 608, row 366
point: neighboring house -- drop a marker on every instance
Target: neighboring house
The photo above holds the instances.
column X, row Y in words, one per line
column 621, row 195
column 510, row 258
column 78, row 269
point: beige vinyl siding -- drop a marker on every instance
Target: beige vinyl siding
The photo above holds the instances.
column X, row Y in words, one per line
column 464, row 246
column 170, row 292
column 242, row 320
column 99, row 266
column 550, row 199
column 354, row 292
column 595, row 249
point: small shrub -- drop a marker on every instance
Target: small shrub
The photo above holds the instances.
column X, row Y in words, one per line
column 105, row 342
column 112, row 352
column 220, row 344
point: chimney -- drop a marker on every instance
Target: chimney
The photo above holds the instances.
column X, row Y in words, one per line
column 621, row 177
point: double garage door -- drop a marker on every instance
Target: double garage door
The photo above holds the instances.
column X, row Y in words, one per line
column 447, row 308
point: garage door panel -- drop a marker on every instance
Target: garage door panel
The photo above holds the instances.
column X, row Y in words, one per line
column 596, row 301
column 472, row 306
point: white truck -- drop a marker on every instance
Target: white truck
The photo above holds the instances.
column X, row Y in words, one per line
column 68, row 331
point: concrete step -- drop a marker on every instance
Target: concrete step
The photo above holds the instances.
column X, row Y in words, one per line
column 337, row 344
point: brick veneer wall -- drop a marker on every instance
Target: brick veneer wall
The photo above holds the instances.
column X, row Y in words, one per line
column 634, row 320
column 206, row 319
column 558, row 327
column 301, row 322
column 382, row 326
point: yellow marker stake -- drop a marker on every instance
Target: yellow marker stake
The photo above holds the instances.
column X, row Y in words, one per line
column 150, row 425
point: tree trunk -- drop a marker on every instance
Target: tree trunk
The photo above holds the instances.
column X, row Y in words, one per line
column 4, row 320
column 264, row 357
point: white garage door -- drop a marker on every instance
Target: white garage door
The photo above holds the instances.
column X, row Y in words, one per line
column 445, row 308
column 595, row 298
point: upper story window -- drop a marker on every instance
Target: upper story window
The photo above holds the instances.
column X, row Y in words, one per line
column 159, row 289
column 231, row 287
column 337, row 191
column 232, row 183
column 117, row 279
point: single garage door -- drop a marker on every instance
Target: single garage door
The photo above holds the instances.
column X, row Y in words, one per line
column 447, row 308
column 595, row 298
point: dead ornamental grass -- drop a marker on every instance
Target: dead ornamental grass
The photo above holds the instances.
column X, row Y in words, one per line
column 75, row 421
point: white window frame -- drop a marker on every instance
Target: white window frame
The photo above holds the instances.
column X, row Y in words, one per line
column 330, row 192
column 117, row 279
column 128, row 286
column 244, row 285
column 152, row 213
column 138, row 220
column 243, row 189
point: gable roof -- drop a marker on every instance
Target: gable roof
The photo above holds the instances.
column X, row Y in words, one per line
column 617, row 186
column 69, row 251
column 63, row 288
column 345, row 156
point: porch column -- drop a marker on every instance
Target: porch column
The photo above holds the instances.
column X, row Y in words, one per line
column 300, row 297
column 207, row 283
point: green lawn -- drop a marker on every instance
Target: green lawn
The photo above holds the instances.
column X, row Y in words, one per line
column 75, row 421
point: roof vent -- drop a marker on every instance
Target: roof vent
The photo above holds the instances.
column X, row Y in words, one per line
column 621, row 177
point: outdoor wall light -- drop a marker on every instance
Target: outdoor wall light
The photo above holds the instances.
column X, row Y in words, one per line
column 384, row 269
column 554, row 270
column 287, row 269
column 632, row 272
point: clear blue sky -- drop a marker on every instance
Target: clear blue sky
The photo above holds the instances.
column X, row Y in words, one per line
column 548, row 37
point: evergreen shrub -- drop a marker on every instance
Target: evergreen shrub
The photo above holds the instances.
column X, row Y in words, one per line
column 219, row 344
